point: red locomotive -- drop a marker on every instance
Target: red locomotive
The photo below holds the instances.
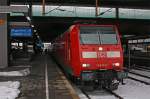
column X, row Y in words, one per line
column 91, row 53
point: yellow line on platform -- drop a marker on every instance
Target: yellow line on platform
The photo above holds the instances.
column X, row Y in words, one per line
column 46, row 80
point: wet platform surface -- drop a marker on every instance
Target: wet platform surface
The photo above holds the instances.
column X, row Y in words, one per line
column 34, row 87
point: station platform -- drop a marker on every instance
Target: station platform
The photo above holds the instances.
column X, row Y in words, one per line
column 46, row 81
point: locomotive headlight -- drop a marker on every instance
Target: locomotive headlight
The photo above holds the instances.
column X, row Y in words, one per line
column 85, row 65
column 116, row 64
column 100, row 48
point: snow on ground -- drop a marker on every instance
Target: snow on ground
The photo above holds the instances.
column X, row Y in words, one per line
column 139, row 77
column 23, row 72
column 146, row 73
column 9, row 90
column 131, row 90
column 94, row 95
column 134, row 90
column 101, row 95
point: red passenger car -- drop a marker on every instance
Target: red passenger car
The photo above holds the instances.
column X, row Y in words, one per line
column 91, row 53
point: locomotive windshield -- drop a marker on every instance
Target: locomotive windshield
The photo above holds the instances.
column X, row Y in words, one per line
column 98, row 35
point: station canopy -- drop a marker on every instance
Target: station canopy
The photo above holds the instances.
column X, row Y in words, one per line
column 87, row 12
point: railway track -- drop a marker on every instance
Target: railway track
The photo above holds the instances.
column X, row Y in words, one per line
column 107, row 90
column 147, row 83
column 139, row 75
column 85, row 93
column 113, row 93
column 142, row 68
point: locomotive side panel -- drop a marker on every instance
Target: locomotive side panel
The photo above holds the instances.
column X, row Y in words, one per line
column 62, row 52
column 75, row 54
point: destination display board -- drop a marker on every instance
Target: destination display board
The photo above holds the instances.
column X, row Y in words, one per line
column 21, row 32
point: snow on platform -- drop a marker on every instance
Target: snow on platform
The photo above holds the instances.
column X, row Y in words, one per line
column 134, row 90
column 139, row 77
column 101, row 94
column 146, row 73
column 97, row 94
column 23, row 72
column 131, row 90
column 9, row 90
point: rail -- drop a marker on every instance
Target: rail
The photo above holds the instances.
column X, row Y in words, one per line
column 138, row 80
column 139, row 75
column 86, row 94
column 113, row 93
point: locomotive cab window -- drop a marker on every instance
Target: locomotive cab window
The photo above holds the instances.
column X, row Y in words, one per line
column 98, row 35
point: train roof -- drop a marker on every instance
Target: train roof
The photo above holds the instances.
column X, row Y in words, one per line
column 91, row 22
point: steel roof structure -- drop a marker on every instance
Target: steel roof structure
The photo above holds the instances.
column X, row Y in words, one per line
column 46, row 26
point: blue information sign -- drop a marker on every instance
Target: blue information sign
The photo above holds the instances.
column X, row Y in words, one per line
column 21, row 32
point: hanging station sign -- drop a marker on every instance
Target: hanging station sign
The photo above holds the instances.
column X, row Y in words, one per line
column 21, row 32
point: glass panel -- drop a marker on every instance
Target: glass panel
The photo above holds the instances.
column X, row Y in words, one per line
column 97, row 35
column 108, row 37
column 73, row 11
column 89, row 38
column 78, row 11
column 134, row 13
column 89, row 35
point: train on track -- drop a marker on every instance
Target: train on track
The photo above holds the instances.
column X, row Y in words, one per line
column 91, row 54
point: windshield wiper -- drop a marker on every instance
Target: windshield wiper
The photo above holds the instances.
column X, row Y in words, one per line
column 100, row 42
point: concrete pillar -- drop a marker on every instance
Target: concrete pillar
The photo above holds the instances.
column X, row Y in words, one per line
column 3, row 38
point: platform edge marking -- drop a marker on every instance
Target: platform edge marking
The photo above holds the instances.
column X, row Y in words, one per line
column 46, row 82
